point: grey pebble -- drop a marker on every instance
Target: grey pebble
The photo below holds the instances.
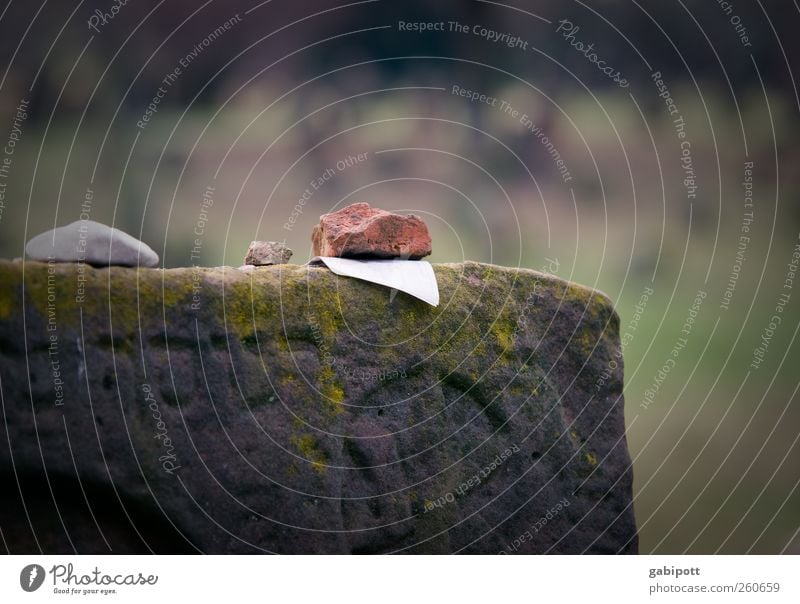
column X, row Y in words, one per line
column 93, row 243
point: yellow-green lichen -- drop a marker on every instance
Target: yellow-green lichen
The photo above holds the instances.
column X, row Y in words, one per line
column 594, row 305
column 586, row 340
column 308, row 448
column 282, row 343
column 409, row 315
column 324, row 314
column 247, row 308
column 504, row 334
column 333, row 394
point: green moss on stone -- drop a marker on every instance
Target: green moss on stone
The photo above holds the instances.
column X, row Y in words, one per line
column 503, row 331
column 57, row 282
column 9, row 289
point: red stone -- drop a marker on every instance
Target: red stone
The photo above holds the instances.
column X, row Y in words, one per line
column 359, row 231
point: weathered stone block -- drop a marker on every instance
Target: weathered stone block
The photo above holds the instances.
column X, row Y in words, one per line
column 289, row 410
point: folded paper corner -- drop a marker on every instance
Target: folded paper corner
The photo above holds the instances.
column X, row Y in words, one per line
column 413, row 277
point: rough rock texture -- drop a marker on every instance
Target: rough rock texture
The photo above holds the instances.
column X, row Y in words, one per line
column 358, row 231
column 267, row 253
column 290, row 410
column 91, row 242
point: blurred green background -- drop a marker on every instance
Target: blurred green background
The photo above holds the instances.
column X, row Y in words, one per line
column 288, row 91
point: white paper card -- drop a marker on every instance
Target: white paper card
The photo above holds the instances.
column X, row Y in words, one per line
column 414, row 277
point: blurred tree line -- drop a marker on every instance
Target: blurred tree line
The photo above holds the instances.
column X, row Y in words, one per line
column 152, row 35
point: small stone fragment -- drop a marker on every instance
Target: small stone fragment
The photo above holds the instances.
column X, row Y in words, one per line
column 265, row 253
column 359, row 231
column 93, row 243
